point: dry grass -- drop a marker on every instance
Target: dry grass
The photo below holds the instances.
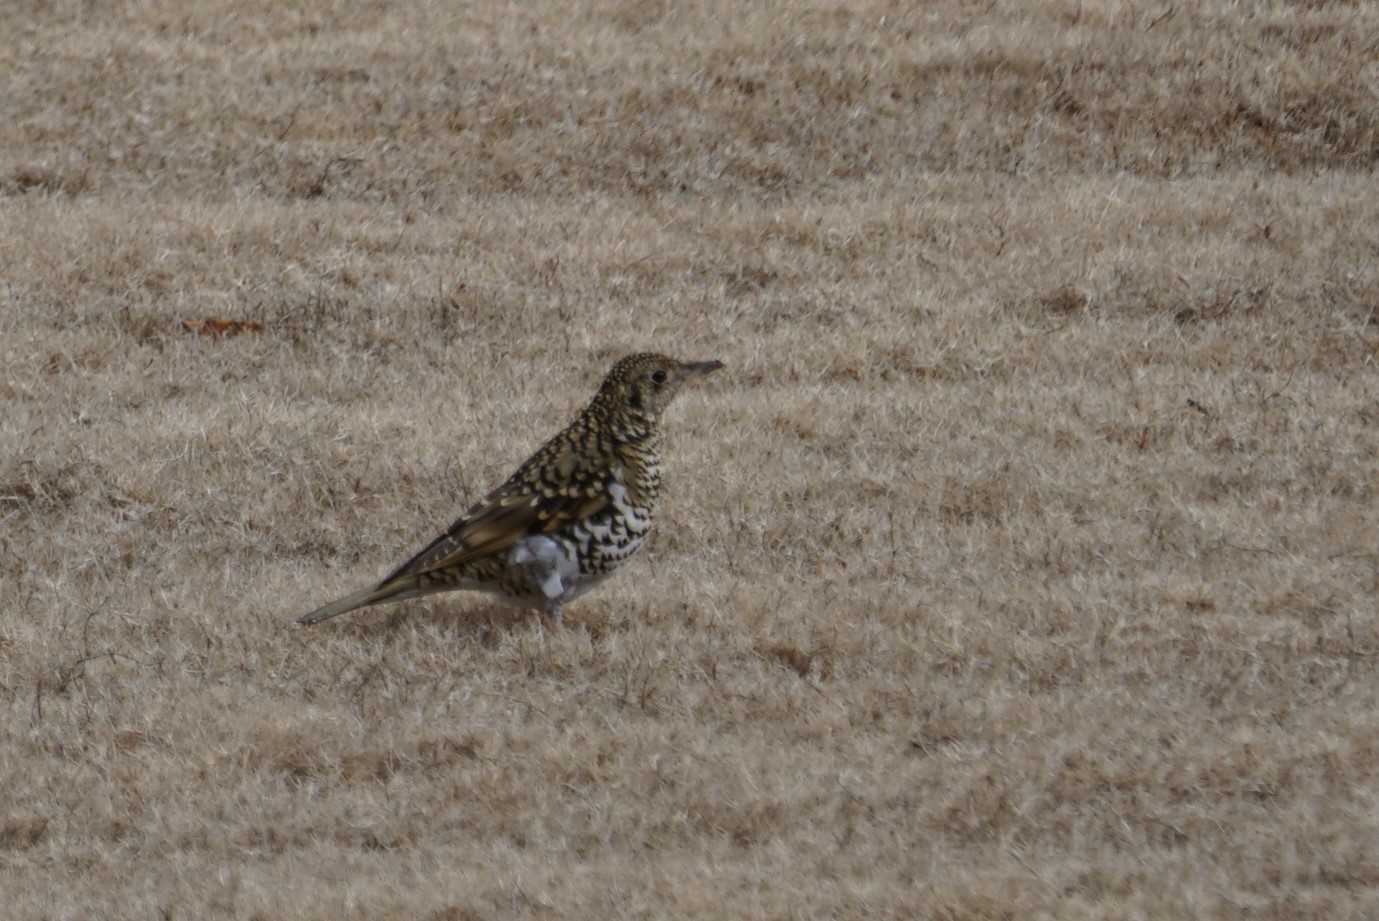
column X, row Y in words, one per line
column 1023, row 564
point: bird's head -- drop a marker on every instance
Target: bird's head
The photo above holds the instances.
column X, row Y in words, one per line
column 641, row 386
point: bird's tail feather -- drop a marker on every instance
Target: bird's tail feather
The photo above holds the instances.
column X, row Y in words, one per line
column 379, row 594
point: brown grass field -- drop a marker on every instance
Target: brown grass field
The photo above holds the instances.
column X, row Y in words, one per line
column 1022, row 564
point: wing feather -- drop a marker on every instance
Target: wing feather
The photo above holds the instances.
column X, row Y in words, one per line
column 493, row 527
column 567, row 479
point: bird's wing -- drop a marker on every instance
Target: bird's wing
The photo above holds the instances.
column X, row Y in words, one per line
column 492, row 528
column 532, row 501
column 488, row 531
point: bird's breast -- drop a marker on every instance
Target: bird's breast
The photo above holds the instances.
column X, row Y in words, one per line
column 605, row 540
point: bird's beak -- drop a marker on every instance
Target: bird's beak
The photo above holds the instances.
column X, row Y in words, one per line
column 701, row 368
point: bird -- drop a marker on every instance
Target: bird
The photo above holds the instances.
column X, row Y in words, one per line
column 574, row 512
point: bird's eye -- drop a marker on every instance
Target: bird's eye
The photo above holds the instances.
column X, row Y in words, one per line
column 659, row 375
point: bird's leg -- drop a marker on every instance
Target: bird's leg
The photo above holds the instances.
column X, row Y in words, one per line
column 552, row 611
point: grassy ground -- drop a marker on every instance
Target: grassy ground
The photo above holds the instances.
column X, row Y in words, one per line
column 1023, row 562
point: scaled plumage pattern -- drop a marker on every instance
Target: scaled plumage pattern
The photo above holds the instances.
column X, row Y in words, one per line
column 575, row 511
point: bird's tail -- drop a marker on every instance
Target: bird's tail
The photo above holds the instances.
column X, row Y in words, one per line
column 388, row 591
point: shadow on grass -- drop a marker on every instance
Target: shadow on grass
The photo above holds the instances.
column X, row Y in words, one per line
column 484, row 621
column 459, row 620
